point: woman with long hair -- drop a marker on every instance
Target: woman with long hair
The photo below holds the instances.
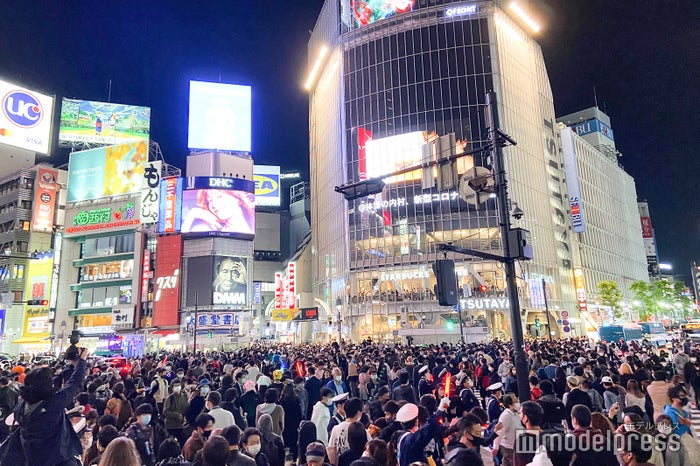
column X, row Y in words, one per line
column 220, row 210
column 307, row 435
column 635, row 396
column 292, row 418
column 120, row 452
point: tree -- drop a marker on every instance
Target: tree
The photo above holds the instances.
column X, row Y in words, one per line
column 609, row 294
column 661, row 297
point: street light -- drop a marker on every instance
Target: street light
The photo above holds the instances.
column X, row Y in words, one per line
column 63, row 331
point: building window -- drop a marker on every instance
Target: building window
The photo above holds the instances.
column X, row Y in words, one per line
column 18, row 296
column 25, row 225
column 22, row 246
column 18, row 272
column 26, row 205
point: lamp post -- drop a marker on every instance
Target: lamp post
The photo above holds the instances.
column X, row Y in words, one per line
column 63, row 332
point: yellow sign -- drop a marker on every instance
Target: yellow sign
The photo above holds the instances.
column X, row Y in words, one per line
column 691, row 326
column 37, row 290
column 284, row 315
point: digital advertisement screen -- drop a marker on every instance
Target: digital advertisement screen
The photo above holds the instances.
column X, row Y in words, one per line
column 358, row 13
column 220, row 116
column 103, row 122
column 25, row 119
column 106, row 171
column 394, row 153
column 267, row 185
column 218, row 212
column 170, row 205
column 230, row 285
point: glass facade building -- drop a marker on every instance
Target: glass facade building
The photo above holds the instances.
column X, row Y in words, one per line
column 387, row 86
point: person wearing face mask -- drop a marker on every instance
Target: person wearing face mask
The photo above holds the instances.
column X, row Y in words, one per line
column 321, row 414
column 680, row 416
column 202, row 426
column 675, row 456
column 411, row 445
column 466, row 449
column 174, row 410
column 510, row 421
column 252, row 444
column 141, row 433
column 680, row 359
column 198, row 401
column 302, row 394
column 336, row 384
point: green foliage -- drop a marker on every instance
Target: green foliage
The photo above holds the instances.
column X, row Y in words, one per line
column 661, row 297
column 609, row 294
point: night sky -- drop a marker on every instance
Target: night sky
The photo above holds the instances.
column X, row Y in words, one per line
column 641, row 57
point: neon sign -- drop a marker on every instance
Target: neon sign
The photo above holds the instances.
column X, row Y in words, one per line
column 461, row 10
column 104, row 217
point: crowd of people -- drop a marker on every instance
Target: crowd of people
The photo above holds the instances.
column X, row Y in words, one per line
column 364, row 404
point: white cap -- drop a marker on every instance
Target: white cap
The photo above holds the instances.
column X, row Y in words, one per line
column 494, row 386
column 606, row 379
column 422, row 370
column 342, row 397
column 407, row 413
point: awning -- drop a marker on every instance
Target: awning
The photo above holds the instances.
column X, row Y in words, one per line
column 31, row 341
column 89, row 310
column 164, row 333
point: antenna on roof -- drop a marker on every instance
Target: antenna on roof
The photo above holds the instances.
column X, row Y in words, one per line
column 109, row 92
column 595, row 97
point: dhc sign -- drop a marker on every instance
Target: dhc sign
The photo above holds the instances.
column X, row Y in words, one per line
column 461, row 10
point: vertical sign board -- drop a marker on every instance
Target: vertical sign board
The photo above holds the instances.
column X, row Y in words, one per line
column 166, row 291
column 278, row 290
column 572, row 180
column 151, row 192
column 580, row 285
column 44, row 200
column 170, row 205
column 291, row 285
column 146, row 275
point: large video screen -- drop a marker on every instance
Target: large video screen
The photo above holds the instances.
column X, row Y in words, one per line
column 220, row 116
column 358, row 13
column 103, row 122
column 218, row 212
column 106, row 171
column 25, row 119
column 394, row 153
column 267, row 185
column 230, row 285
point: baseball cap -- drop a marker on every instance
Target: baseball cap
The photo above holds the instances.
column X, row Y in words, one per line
column 606, row 379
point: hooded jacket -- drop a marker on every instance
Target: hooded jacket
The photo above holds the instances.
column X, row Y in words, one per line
column 276, row 412
column 554, row 412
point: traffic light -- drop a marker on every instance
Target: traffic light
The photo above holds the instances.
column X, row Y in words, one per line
column 38, row 302
column 446, row 287
column 450, row 325
column 483, row 288
column 210, row 334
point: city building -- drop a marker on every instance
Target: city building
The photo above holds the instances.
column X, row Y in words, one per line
column 607, row 236
column 384, row 85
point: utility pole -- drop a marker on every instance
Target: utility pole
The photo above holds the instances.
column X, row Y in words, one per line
column 499, row 169
column 196, row 304
column 546, row 309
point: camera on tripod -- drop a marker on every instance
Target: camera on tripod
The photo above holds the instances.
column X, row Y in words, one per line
column 73, row 352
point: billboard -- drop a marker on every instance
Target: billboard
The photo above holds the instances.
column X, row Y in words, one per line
column 580, row 285
column 102, row 122
column 358, row 13
column 218, row 212
column 106, row 171
column 267, row 185
column 199, row 281
column 170, row 205
column 297, row 315
column 38, row 287
column 44, row 200
column 151, row 192
column 25, row 120
column 230, row 284
column 166, row 290
column 593, row 126
column 103, row 218
column 393, row 153
column 220, row 117
column 572, row 181
column 285, row 288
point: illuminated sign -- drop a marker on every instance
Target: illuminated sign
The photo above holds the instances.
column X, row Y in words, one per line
column 267, row 185
column 123, row 317
column 106, row 171
column 219, row 212
column 461, row 10
column 297, row 315
column 435, row 197
column 394, row 153
column 206, row 182
column 647, row 230
column 230, row 285
column 170, row 205
column 572, row 181
column 103, row 218
column 580, row 285
column 380, row 204
column 26, row 118
column 214, row 320
column 38, row 288
column 151, row 191
column 102, row 122
column 145, row 275
column 44, row 200
column 593, row 126
column 166, row 298
column 285, row 288
column 475, row 304
column 369, row 11
column 220, row 117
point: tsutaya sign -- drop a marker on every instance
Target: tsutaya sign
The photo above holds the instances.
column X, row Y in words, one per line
column 473, row 304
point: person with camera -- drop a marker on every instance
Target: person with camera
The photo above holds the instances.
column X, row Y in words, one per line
column 43, row 435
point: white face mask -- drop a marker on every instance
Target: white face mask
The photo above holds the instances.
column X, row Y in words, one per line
column 177, row 389
column 253, row 449
column 329, row 403
column 665, row 429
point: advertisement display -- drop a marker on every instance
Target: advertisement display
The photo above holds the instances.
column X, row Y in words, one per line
column 166, row 290
column 218, row 320
column 103, row 218
column 580, row 285
column 230, row 284
column 358, row 13
column 170, row 205
column 26, row 117
column 150, row 192
column 102, row 122
column 38, row 288
column 44, row 200
column 572, row 180
column 307, row 314
column 267, row 185
column 199, row 281
column 220, row 117
column 123, row 317
column 106, row 171
column 393, row 153
column 218, row 212
column 285, row 288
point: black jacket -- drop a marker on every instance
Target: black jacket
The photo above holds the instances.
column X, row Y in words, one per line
column 554, row 412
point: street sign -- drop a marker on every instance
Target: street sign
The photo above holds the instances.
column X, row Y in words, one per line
column 565, row 322
column 559, row 321
column 565, row 314
column 567, row 329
